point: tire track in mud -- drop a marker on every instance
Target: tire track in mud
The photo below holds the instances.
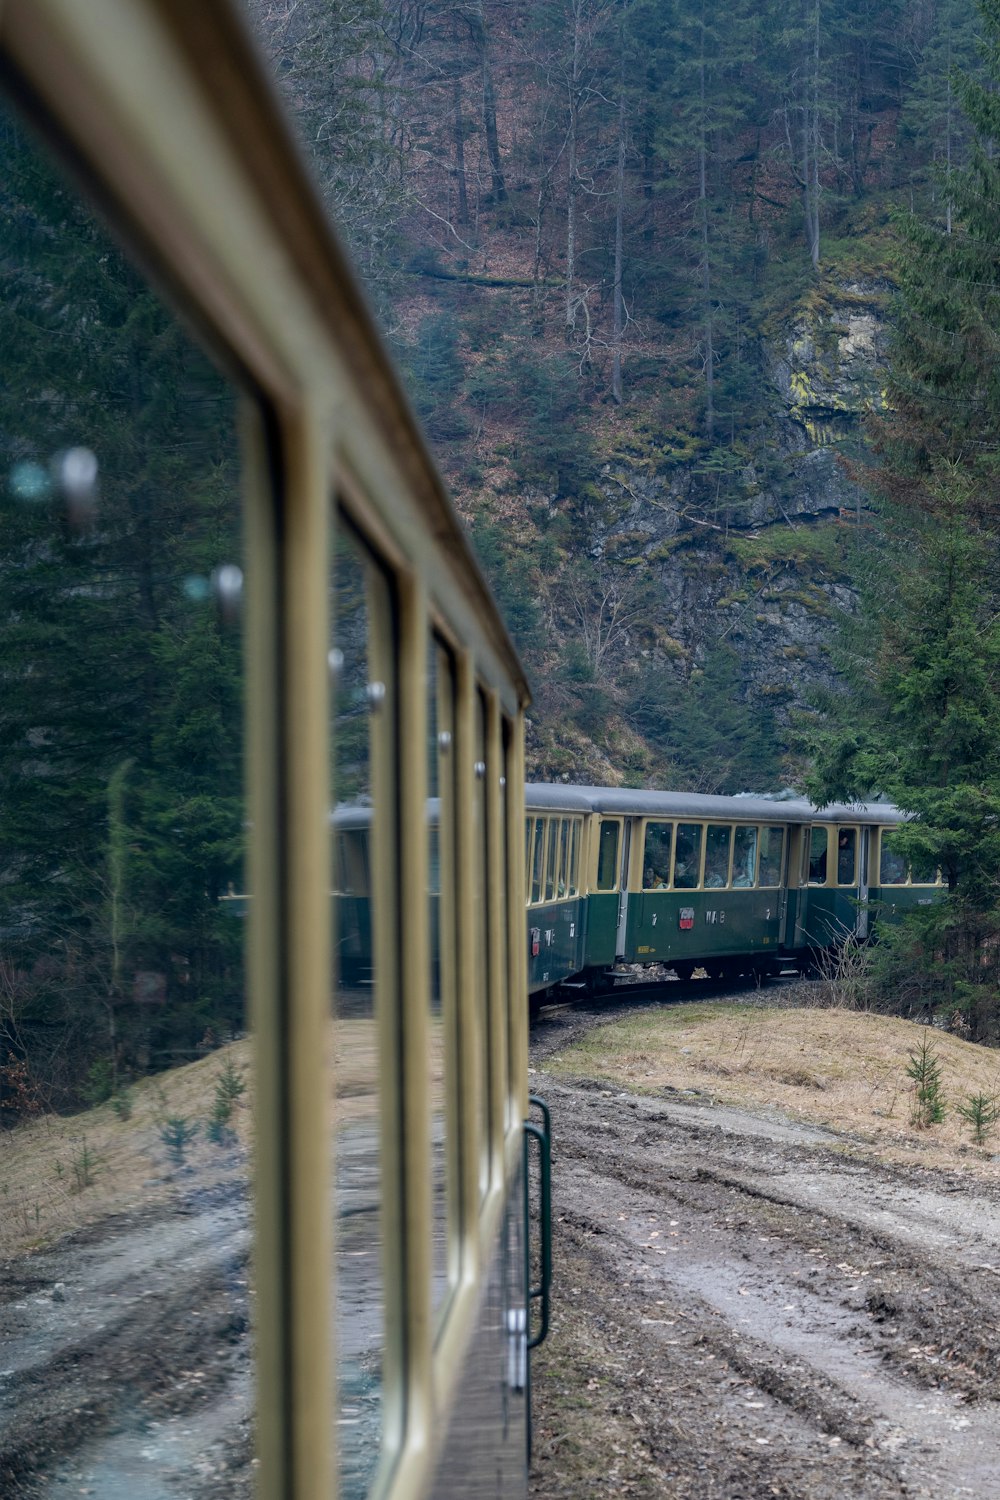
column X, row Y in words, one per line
column 126, row 1356
column 824, row 1326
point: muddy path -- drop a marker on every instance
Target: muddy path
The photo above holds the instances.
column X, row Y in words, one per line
column 746, row 1306
column 125, row 1367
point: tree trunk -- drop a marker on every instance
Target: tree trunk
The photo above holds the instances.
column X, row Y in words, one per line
column 619, row 301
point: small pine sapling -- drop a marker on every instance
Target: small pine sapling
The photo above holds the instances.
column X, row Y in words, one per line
column 980, row 1112
column 177, row 1133
column 924, row 1067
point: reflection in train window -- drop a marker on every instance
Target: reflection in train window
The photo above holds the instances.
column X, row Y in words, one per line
column 359, row 704
column 818, row 841
column 126, row 1069
column 772, row 849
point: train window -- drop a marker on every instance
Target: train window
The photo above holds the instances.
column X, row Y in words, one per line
column 924, row 871
column 847, row 856
column 575, row 829
column 892, row 865
column 484, row 955
column 127, row 1082
column 687, row 856
column 718, row 842
column 442, row 988
column 552, row 860
column 538, row 862
column 656, row 856
column 607, row 856
column 360, row 604
column 772, row 849
column 745, row 857
column 817, row 849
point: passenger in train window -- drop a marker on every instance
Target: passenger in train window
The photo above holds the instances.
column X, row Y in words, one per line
column 744, row 857
column 656, row 861
column 717, row 858
column 845, row 856
column 688, row 856
column 817, row 856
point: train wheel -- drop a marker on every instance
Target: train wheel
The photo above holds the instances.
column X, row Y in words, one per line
column 683, row 968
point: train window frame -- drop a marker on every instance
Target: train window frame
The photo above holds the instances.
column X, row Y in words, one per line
column 724, row 883
column 658, row 883
column 576, row 838
column 617, row 824
column 698, row 858
column 785, row 843
column 848, row 829
column 809, row 858
column 745, row 828
column 536, row 877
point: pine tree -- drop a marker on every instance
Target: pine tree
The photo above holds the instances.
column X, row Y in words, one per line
column 922, row 724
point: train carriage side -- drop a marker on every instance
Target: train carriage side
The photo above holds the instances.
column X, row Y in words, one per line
column 705, row 881
column 557, row 849
column 382, row 1230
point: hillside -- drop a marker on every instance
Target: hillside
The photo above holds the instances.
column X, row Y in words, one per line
column 637, row 269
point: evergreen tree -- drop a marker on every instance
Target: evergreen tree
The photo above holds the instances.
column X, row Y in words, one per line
column 922, row 724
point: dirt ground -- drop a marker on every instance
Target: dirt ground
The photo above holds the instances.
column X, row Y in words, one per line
column 753, row 1303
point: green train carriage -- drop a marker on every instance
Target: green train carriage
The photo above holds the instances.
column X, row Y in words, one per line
column 731, row 885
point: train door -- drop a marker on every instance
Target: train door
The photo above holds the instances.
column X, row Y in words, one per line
column 623, row 878
column 864, row 856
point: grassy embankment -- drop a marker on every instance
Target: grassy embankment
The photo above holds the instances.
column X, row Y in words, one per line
column 838, row 1068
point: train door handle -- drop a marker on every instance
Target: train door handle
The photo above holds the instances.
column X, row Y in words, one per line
column 539, row 1293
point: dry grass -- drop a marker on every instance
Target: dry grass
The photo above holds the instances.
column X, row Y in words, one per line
column 841, row 1069
column 60, row 1173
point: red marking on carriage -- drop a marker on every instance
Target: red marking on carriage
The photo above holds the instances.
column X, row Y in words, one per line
column 536, row 941
column 686, row 918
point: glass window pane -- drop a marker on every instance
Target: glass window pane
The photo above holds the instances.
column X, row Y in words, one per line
column 358, row 593
column 656, row 856
column 126, row 1075
column 442, row 989
column 538, row 868
column 892, row 865
column 717, row 844
column 607, row 857
column 745, row 857
column 574, row 857
column 563, row 887
column 818, row 840
column 483, row 952
column 772, row 848
column 687, row 856
column 847, row 853
column 551, row 859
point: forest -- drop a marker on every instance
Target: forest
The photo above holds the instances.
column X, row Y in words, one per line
column 699, row 313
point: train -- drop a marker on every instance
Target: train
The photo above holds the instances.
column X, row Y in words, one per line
column 615, row 879
column 274, row 565
column 746, row 885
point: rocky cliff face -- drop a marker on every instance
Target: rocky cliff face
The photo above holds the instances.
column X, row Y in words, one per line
column 770, row 576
